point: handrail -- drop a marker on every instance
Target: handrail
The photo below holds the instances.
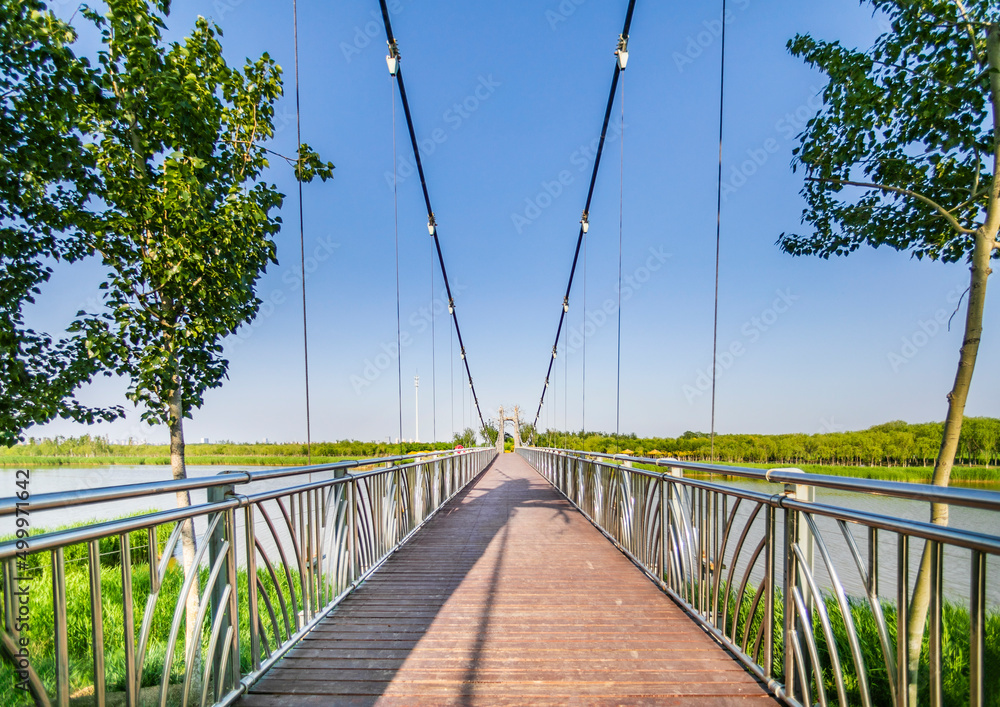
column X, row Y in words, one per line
column 81, row 497
column 783, row 582
column 273, row 563
column 970, row 498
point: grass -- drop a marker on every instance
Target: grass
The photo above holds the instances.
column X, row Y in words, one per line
column 37, row 462
column 955, row 648
column 915, row 474
column 40, row 633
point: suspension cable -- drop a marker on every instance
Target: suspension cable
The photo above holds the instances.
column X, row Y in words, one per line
column 395, row 217
column 583, row 333
column 451, row 376
column 434, row 418
column 718, row 223
column 431, row 223
column 302, row 227
column 622, row 58
column 621, row 211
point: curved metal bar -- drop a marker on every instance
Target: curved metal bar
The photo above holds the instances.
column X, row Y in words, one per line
column 274, row 620
column 180, row 609
column 888, row 646
column 161, row 572
column 848, row 618
column 806, row 622
column 212, row 640
column 189, row 658
column 738, row 548
column 35, row 685
column 298, row 558
column 284, row 564
column 824, row 619
column 743, row 587
column 748, row 626
column 227, row 645
column 281, row 599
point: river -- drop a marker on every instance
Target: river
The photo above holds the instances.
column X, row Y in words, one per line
column 957, row 571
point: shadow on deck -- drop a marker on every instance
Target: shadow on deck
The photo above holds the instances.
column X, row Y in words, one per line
column 508, row 596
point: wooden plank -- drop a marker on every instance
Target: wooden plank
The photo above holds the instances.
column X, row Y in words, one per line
column 509, row 596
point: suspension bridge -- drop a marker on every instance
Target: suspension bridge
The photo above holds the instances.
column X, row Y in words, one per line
column 474, row 576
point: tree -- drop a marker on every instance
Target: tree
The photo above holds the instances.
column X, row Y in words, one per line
column 467, row 438
column 187, row 225
column 489, row 434
column 45, row 182
column 905, row 153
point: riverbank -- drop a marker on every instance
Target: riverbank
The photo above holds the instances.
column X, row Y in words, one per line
column 44, row 462
column 969, row 475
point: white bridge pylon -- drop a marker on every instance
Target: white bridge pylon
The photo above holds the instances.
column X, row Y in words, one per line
column 502, row 421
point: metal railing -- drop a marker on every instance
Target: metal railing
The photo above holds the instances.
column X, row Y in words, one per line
column 767, row 574
column 276, row 550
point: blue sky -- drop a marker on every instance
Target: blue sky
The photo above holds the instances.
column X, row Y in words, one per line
column 508, row 98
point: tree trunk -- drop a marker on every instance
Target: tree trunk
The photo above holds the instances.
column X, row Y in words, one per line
column 985, row 239
column 188, row 541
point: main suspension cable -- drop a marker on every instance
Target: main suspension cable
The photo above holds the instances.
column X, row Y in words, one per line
column 396, row 70
column 302, row 226
column 621, row 60
column 718, row 224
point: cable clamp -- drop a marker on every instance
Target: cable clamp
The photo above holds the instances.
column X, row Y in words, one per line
column 431, row 224
column 565, row 304
column 392, row 58
column 622, row 51
column 585, row 222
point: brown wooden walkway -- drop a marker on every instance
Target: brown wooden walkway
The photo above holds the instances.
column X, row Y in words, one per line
column 508, row 596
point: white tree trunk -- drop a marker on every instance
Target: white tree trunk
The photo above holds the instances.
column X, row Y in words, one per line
column 188, row 542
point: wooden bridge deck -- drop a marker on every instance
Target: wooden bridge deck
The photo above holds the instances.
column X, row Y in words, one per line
column 508, row 596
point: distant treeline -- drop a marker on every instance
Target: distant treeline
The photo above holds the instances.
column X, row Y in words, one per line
column 99, row 447
column 891, row 444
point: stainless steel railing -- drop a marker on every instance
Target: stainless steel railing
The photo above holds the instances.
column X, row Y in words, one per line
column 765, row 572
column 277, row 550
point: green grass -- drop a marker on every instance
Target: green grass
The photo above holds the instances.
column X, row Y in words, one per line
column 914, row 474
column 40, row 635
column 36, row 462
column 955, row 648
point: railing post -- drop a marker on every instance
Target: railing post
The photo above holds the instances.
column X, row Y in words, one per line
column 903, row 619
column 60, row 627
column 217, row 494
column 977, row 630
column 796, row 533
